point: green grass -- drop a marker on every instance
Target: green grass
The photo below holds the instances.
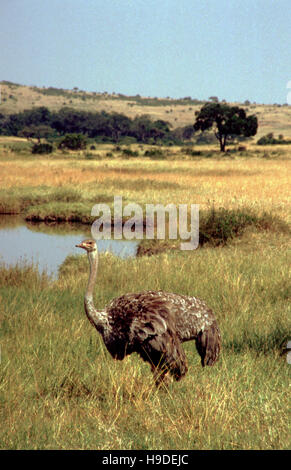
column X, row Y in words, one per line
column 219, row 227
column 58, row 212
column 60, row 389
column 48, row 203
column 18, row 199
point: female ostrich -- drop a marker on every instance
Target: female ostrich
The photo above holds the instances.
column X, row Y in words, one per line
column 153, row 324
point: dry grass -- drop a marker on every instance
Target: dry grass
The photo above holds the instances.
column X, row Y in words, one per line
column 258, row 183
column 59, row 389
column 272, row 118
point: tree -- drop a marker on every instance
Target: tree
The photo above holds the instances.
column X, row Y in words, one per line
column 159, row 129
column 36, row 132
column 141, row 128
column 37, row 116
column 187, row 132
column 2, row 120
column 119, row 126
column 228, row 122
column 73, row 142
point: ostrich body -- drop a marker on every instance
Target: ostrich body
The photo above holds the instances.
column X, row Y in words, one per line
column 153, row 324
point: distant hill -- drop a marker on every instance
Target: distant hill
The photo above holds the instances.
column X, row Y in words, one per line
column 179, row 112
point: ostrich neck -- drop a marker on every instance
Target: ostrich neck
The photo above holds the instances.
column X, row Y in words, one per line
column 98, row 318
column 93, row 262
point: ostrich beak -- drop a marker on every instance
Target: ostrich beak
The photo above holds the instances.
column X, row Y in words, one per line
column 79, row 246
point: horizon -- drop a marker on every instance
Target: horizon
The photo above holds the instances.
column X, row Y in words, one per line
column 155, row 49
column 117, row 94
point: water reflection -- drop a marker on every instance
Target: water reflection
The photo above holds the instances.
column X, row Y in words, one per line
column 48, row 245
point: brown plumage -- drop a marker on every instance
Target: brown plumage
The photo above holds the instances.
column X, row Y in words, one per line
column 154, row 325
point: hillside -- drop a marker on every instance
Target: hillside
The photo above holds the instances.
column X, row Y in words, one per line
column 179, row 112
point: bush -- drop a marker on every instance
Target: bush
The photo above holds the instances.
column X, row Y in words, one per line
column 192, row 153
column 89, row 156
column 154, row 153
column 42, row 148
column 269, row 139
column 73, row 142
column 130, row 153
column 218, row 226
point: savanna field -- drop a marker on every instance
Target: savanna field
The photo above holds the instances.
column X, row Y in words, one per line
column 60, row 389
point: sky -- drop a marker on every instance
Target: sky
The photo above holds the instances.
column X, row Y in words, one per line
column 236, row 50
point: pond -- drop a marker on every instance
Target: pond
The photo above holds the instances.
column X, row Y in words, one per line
column 49, row 245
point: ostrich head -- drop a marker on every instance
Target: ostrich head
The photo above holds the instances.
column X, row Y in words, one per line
column 89, row 245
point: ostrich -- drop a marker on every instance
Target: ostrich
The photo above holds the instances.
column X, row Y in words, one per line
column 153, row 324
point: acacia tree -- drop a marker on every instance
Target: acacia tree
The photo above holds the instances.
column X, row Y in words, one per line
column 227, row 121
column 36, row 132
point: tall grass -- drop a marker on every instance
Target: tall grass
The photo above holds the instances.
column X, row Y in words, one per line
column 60, row 388
column 251, row 182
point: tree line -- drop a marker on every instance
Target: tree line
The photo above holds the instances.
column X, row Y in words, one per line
column 42, row 123
column 227, row 123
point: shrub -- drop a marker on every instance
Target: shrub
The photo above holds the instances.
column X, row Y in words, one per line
column 73, row 142
column 130, row 153
column 269, row 139
column 192, row 153
column 89, row 156
column 218, row 226
column 42, row 148
column 154, row 153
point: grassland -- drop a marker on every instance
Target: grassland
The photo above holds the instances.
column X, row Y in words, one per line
column 60, row 389
column 256, row 178
column 15, row 98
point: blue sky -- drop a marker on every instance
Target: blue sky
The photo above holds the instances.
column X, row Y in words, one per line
column 233, row 49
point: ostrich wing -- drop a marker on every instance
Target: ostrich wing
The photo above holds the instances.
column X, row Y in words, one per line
column 140, row 316
column 157, row 343
column 146, row 322
column 147, row 326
